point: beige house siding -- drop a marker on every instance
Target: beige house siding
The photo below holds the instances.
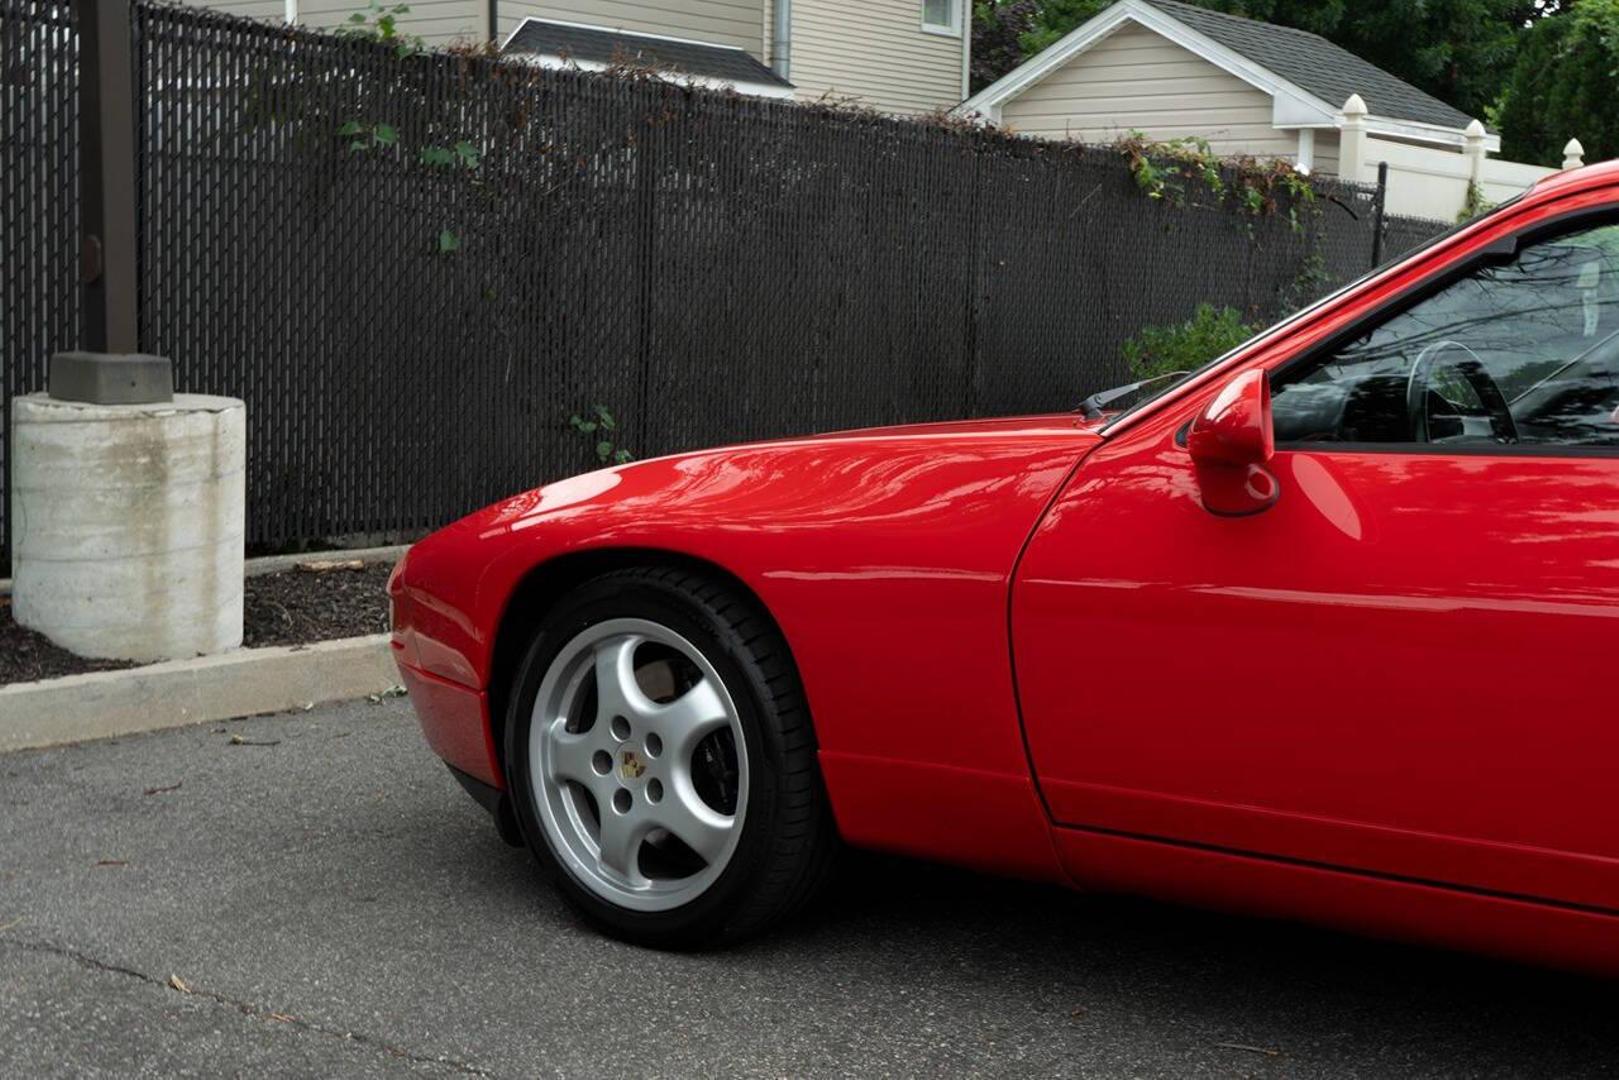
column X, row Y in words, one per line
column 876, row 53
column 1326, row 153
column 263, row 10
column 436, row 22
column 737, row 23
column 1135, row 79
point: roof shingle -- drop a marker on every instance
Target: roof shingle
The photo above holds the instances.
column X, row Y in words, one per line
column 1315, row 64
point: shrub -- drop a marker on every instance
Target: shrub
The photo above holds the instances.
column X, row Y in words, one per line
column 1210, row 332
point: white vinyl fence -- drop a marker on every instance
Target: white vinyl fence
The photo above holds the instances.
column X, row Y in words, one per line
column 1433, row 181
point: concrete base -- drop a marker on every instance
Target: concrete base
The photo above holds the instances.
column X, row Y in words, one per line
column 128, row 525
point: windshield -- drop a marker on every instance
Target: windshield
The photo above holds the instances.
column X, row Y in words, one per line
column 1151, row 392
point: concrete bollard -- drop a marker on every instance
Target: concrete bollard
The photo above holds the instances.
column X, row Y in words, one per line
column 128, row 524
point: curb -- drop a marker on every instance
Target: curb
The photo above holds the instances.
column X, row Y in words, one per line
column 177, row 693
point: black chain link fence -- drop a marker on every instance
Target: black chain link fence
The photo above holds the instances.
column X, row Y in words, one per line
column 416, row 268
column 39, row 205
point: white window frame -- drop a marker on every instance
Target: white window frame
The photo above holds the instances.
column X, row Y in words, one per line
column 950, row 29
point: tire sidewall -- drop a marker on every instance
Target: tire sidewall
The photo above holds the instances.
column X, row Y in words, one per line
column 643, row 599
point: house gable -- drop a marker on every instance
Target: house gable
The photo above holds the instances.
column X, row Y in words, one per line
column 1292, row 106
column 1135, row 79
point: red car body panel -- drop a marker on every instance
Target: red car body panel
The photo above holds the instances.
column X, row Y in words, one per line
column 1028, row 647
column 876, row 552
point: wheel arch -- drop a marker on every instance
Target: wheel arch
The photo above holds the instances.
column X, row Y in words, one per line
column 544, row 583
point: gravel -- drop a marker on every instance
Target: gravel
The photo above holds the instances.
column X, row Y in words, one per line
column 291, row 607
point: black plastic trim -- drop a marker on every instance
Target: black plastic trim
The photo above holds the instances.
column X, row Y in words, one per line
column 493, row 800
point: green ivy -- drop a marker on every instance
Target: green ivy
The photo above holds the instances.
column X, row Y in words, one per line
column 380, row 23
column 1475, row 203
column 600, row 427
column 1170, row 171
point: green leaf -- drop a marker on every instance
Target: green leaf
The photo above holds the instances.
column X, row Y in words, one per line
column 353, row 127
column 437, row 155
column 448, row 242
column 604, row 450
column 386, row 134
column 356, row 18
column 623, row 456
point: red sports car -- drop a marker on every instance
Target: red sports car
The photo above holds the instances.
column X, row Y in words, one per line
column 1316, row 631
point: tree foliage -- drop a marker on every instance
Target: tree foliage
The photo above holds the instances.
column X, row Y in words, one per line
column 998, row 31
column 1565, row 83
column 1457, row 50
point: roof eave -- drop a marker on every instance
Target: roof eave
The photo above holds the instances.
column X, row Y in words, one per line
column 679, row 78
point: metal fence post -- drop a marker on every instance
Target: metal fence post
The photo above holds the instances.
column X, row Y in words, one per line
column 107, row 175
column 1379, row 222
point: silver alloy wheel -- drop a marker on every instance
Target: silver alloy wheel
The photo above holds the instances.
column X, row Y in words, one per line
column 615, row 767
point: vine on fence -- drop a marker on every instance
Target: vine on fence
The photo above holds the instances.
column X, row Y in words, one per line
column 1166, row 170
column 380, row 23
column 601, row 428
column 1475, row 203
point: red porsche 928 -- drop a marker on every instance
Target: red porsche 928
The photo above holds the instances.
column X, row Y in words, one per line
column 1319, row 631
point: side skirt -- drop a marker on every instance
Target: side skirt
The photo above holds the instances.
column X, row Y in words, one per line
column 1513, row 928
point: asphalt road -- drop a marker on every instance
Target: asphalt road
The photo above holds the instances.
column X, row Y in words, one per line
column 332, row 904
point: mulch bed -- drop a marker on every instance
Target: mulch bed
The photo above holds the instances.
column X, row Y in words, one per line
column 295, row 607
column 291, row 607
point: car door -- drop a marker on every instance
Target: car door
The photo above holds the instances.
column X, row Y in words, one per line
column 1402, row 666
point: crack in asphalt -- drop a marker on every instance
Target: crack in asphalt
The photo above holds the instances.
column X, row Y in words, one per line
column 245, row 1008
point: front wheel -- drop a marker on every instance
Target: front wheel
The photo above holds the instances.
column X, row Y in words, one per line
column 661, row 762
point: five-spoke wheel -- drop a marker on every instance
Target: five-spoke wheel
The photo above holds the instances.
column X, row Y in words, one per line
column 643, row 785
column 660, row 759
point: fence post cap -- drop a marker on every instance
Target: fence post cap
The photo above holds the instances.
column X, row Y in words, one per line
column 1474, row 131
column 1355, row 106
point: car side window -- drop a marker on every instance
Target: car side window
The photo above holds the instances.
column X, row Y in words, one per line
column 1523, row 350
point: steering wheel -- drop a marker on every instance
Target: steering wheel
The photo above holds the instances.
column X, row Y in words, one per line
column 1502, row 427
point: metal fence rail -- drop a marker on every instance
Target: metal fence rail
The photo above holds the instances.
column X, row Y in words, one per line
column 412, row 311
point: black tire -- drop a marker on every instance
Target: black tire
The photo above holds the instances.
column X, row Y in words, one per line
column 788, row 838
